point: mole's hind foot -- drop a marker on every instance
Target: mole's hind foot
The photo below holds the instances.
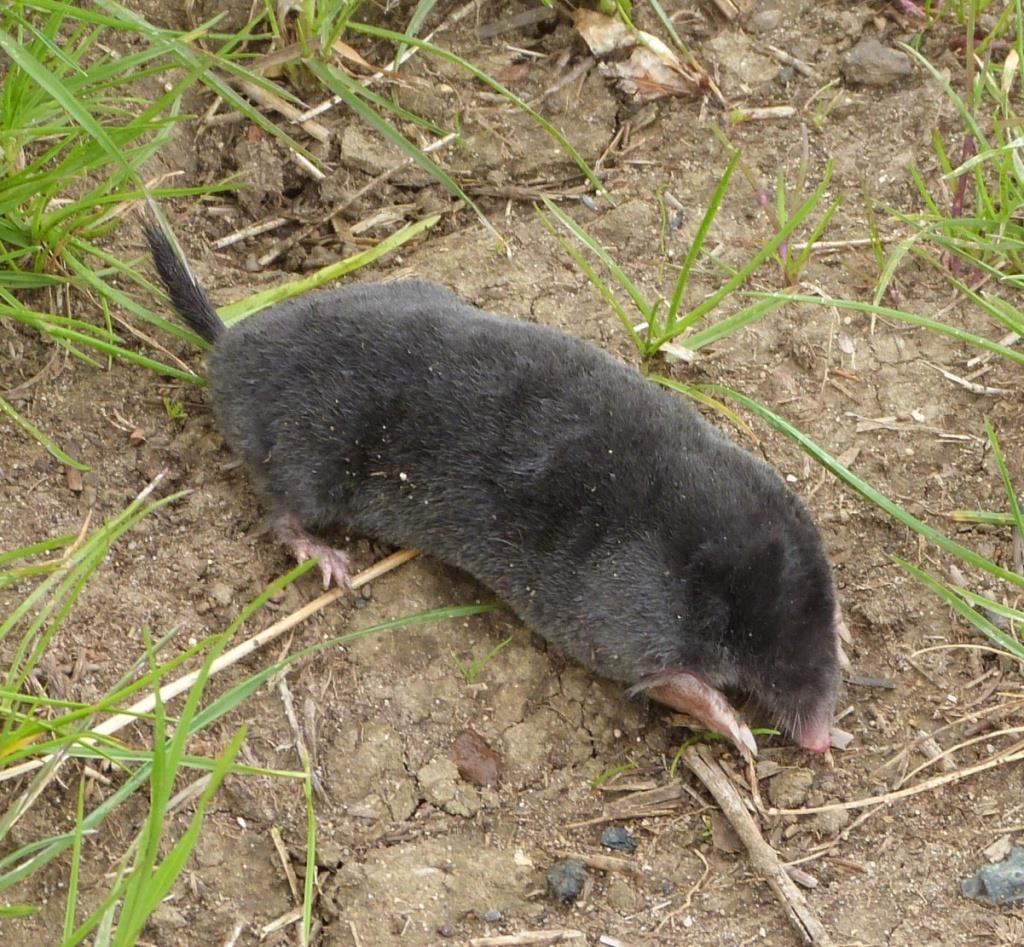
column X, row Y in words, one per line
column 686, row 692
column 334, row 564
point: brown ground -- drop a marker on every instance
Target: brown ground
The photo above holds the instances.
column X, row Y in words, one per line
column 406, row 854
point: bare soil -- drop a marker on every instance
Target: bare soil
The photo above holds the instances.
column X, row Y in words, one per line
column 408, row 853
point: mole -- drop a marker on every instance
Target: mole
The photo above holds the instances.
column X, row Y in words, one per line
column 613, row 519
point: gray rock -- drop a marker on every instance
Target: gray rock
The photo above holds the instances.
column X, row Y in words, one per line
column 1002, row 883
column 566, row 879
column 619, row 839
column 764, row 21
column 871, row 63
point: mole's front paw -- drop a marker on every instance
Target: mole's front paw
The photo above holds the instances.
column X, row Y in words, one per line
column 334, row 564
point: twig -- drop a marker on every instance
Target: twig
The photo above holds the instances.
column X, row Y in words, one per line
column 269, row 100
column 301, row 234
column 1012, row 754
column 286, row 863
column 761, row 113
column 763, row 857
column 253, row 230
column 823, row 850
column 168, row 691
column 971, row 386
column 788, row 59
column 609, row 863
column 292, row 917
column 233, row 936
column 530, row 939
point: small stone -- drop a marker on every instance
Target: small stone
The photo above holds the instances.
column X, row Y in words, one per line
column 1001, row 884
column 871, row 63
column 566, row 879
column 222, row 593
column 619, row 839
column 492, row 917
column 789, row 789
column 764, row 21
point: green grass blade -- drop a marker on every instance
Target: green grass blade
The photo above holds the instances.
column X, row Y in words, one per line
column 309, row 882
column 40, row 437
column 954, row 601
column 699, row 238
column 1004, row 474
column 419, row 16
column 58, row 91
column 886, row 312
column 595, row 279
column 725, row 327
column 865, row 489
column 692, row 391
column 233, row 312
column 339, row 84
column 628, row 286
column 769, row 250
column 76, row 863
column 44, row 545
column 983, row 517
column 990, row 605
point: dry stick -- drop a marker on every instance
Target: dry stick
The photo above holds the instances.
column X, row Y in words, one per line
column 286, row 244
column 168, row 691
column 253, row 230
column 530, row 939
column 269, row 100
column 286, row 863
column 762, row 856
column 823, row 850
column 1012, row 754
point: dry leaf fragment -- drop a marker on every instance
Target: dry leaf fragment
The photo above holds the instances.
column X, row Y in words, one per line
column 603, row 34
column 645, row 76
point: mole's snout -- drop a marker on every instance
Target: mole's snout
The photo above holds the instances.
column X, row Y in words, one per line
column 815, row 734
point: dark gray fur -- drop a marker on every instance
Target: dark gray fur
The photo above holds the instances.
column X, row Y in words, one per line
column 612, row 518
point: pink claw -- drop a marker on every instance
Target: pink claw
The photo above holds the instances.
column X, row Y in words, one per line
column 334, row 564
column 688, row 693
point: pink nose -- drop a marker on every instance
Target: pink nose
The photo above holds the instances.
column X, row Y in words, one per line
column 816, row 734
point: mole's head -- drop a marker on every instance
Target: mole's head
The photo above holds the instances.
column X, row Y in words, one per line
column 767, row 601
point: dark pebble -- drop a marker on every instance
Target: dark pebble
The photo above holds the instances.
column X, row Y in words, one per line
column 618, row 838
column 566, row 879
column 492, row 917
column 1001, row 884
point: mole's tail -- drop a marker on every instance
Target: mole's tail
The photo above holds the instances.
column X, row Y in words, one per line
column 187, row 296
